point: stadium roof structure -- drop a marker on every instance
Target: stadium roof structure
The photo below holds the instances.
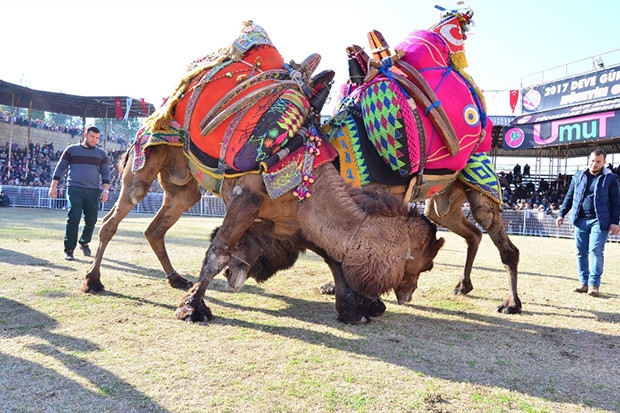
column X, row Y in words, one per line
column 100, row 107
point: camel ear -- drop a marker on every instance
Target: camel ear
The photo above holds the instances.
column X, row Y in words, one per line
column 214, row 233
column 438, row 245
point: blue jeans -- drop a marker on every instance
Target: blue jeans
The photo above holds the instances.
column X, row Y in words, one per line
column 81, row 200
column 590, row 242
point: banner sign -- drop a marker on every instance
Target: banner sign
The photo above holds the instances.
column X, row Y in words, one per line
column 578, row 124
column 584, row 88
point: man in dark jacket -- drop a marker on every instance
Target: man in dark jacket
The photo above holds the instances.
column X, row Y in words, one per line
column 5, row 201
column 594, row 201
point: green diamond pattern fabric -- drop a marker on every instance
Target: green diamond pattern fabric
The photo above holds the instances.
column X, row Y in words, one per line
column 381, row 106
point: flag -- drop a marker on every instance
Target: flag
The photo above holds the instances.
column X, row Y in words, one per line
column 143, row 106
column 118, row 108
column 129, row 102
column 514, row 98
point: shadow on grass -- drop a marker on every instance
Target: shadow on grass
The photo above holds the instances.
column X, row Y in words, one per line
column 491, row 350
column 20, row 258
column 57, row 390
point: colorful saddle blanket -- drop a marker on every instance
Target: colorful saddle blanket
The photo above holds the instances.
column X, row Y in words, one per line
column 240, row 112
column 427, row 52
column 402, row 132
column 238, row 105
column 479, row 173
column 360, row 164
column 236, row 110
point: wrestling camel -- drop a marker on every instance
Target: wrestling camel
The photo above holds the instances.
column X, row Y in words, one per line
column 254, row 140
column 410, row 121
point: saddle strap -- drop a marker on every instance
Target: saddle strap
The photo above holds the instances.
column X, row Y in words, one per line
column 274, row 74
column 445, row 129
column 439, row 117
column 247, row 101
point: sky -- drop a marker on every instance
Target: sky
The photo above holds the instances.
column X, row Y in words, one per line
column 141, row 48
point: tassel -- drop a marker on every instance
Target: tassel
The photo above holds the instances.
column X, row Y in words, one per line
column 459, row 60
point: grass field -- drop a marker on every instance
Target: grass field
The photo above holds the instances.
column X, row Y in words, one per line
column 277, row 346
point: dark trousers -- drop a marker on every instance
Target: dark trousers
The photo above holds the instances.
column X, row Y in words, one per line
column 81, row 201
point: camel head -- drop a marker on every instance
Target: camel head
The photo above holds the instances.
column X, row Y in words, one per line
column 423, row 248
column 259, row 255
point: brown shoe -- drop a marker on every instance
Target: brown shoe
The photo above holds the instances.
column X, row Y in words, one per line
column 593, row 291
column 581, row 289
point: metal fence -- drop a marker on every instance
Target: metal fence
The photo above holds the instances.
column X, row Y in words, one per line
column 516, row 222
column 33, row 197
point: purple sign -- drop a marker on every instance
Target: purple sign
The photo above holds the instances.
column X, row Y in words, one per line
column 522, row 134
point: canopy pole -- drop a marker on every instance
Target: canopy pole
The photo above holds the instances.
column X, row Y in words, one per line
column 105, row 134
column 28, row 140
column 10, row 164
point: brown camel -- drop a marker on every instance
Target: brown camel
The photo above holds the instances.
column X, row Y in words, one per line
column 370, row 251
column 357, row 289
column 444, row 206
column 260, row 255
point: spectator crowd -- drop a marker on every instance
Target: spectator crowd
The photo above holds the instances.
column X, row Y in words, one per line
column 541, row 196
column 532, row 198
column 34, row 165
column 41, row 124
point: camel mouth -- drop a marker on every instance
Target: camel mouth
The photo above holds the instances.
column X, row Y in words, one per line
column 404, row 296
column 235, row 278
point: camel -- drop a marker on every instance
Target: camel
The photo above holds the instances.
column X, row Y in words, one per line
column 443, row 206
column 370, row 250
column 364, row 167
column 264, row 255
column 371, row 245
column 424, row 75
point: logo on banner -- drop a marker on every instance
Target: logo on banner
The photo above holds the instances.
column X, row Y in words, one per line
column 514, row 137
column 531, row 99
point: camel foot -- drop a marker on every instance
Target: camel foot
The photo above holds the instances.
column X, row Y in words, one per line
column 509, row 308
column 176, row 281
column 463, row 289
column 375, row 308
column 193, row 310
column 358, row 309
column 92, row 286
column 328, row 289
column 353, row 318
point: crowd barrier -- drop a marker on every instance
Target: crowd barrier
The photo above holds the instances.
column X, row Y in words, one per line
column 33, row 197
column 516, row 222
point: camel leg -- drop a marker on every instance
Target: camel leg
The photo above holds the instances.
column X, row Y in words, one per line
column 488, row 215
column 241, row 212
column 352, row 308
column 134, row 188
column 177, row 200
column 454, row 220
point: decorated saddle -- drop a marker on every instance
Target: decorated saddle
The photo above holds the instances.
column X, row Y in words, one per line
column 241, row 110
column 420, row 109
column 411, row 111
